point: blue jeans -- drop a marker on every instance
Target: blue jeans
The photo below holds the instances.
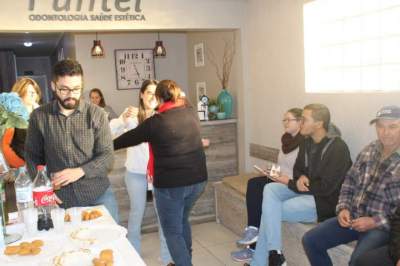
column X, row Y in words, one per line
column 329, row 234
column 136, row 185
column 280, row 204
column 109, row 201
column 174, row 205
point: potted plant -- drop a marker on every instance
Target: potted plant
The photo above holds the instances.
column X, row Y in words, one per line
column 223, row 73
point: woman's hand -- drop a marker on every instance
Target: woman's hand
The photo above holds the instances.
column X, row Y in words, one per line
column 129, row 112
column 280, row 179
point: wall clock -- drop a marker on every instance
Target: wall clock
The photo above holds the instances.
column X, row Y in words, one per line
column 132, row 67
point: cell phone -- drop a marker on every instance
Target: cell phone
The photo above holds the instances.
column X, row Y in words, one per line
column 259, row 169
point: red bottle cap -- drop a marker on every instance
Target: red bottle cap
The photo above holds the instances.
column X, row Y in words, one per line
column 40, row 167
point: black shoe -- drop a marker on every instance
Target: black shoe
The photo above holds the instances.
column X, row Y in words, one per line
column 276, row 259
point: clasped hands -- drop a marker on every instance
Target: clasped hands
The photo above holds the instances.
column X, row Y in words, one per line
column 361, row 224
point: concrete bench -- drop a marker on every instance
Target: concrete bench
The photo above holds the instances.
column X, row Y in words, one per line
column 230, row 200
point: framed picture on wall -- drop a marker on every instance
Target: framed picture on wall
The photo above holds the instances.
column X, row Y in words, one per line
column 199, row 55
column 132, row 67
column 200, row 89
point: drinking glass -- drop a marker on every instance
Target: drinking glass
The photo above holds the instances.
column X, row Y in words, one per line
column 75, row 214
column 57, row 215
column 30, row 217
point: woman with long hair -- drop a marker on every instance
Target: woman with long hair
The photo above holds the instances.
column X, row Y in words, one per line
column 136, row 166
column 96, row 97
column 177, row 164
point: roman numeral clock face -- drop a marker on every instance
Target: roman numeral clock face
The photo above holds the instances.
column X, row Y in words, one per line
column 133, row 66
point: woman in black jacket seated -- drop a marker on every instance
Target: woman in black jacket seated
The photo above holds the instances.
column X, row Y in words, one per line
column 177, row 164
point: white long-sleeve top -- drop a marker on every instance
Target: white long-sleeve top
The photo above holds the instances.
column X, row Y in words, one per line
column 137, row 156
column 286, row 162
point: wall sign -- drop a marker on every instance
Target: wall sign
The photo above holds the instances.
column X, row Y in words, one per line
column 133, row 66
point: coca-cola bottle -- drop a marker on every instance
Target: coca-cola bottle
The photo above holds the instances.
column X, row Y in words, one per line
column 43, row 196
column 23, row 192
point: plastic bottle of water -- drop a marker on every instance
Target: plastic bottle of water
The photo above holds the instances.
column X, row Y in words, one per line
column 23, row 191
column 43, row 197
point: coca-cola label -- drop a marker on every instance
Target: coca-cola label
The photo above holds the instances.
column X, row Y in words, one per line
column 43, row 197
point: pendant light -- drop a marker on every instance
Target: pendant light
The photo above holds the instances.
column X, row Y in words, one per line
column 159, row 49
column 97, row 49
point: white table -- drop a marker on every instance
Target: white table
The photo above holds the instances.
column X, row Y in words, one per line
column 122, row 246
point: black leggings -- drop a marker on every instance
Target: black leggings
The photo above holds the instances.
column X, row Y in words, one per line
column 254, row 199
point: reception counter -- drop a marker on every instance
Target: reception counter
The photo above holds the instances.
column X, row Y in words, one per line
column 222, row 160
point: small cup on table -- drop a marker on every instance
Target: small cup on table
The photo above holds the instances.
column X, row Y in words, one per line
column 58, row 215
column 30, row 217
column 75, row 215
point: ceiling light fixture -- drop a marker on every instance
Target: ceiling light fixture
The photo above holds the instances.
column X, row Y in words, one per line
column 159, row 49
column 97, row 49
column 27, row 44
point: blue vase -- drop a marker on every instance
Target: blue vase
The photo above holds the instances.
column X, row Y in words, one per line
column 225, row 100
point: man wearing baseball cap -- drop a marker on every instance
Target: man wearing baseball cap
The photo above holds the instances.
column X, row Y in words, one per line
column 369, row 196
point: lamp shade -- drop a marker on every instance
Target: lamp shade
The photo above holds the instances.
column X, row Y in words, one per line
column 97, row 49
column 159, row 49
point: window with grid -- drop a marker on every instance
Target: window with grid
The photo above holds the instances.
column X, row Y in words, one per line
column 352, row 46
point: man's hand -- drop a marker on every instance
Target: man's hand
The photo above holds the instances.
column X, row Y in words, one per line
column 205, row 142
column 57, row 199
column 363, row 224
column 67, row 176
column 302, row 183
column 344, row 218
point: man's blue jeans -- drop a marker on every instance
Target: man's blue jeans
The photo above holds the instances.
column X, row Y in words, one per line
column 109, row 201
column 174, row 205
column 280, row 204
column 329, row 234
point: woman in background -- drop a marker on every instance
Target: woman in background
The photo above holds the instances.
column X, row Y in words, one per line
column 13, row 142
column 136, row 166
column 177, row 162
column 97, row 98
column 290, row 141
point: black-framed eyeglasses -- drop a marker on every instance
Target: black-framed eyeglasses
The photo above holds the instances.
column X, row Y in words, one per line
column 66, row 91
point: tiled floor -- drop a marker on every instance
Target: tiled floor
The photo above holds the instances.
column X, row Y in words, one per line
column 212, row 244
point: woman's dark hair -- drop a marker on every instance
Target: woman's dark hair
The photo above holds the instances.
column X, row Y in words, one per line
column 67, row 67
column 142, row 109
column 102, row 102
column 296, row 112
column 167, row 90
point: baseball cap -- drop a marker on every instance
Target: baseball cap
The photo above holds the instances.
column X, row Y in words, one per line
column 390, row 112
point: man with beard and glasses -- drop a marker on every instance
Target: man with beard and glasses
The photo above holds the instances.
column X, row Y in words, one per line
column 73, row 139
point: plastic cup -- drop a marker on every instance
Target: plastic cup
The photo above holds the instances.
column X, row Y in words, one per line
column 57, row 215
column 75, row 214
column 30, row 217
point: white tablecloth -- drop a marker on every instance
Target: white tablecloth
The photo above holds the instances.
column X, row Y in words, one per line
column 121, row 246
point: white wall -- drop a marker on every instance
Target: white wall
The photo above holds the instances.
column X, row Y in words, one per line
column 100, row 72
column 275, row 61
column 159, row 14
